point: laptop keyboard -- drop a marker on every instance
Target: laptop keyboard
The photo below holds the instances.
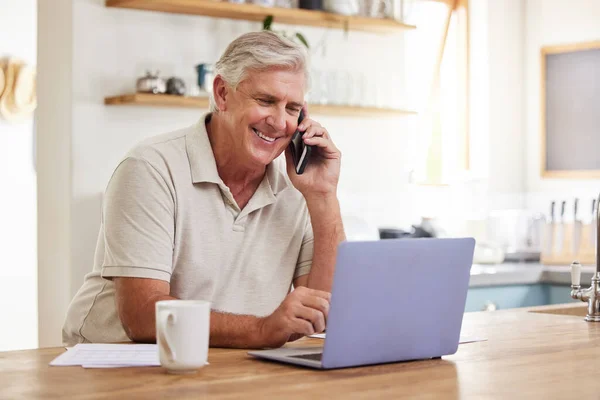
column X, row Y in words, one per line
column 312, row 356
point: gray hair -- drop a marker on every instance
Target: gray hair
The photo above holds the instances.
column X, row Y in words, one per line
column 258, row 51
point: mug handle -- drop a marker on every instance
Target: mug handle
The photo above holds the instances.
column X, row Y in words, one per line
column 166, row 318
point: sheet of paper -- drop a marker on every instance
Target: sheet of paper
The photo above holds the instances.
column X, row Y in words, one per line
column 107, row 366
column 114, row 366
column 470, row 339
column 462, row 340
column 109, row 356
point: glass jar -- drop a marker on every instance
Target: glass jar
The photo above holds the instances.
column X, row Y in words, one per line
column 264, row 3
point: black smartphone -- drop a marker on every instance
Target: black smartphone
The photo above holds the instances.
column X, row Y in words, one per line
column 300, row 151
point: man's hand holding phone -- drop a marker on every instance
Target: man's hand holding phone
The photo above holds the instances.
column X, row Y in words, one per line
column 318, row 184
column 320, row 174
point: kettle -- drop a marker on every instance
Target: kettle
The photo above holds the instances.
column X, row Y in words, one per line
column 518, row 232
column 151, row 83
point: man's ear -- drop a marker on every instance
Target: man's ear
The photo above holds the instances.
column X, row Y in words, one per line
column 220, row 92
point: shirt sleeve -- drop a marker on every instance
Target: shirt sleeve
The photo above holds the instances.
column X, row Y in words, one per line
column 305, row 256
column 138, row 219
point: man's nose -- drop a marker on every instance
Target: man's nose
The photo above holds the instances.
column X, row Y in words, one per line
column 277, row 120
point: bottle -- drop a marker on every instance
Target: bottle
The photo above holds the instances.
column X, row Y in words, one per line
column 311, row 4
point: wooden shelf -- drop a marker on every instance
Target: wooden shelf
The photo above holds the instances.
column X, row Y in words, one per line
column 165, row 100
column 251, row 12
column 157, row 100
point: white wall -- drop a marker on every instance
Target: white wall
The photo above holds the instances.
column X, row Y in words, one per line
column 552, row 22
column 506, row 134
column 18, row 272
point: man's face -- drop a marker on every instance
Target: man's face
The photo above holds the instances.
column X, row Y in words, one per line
column 264, row 113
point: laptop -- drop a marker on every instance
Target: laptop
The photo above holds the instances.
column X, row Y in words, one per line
column 392, row 300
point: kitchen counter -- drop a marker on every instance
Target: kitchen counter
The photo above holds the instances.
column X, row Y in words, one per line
column 525, row 274
column 543, row 354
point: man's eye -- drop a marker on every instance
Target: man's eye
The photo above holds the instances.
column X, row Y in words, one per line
column 265, row 101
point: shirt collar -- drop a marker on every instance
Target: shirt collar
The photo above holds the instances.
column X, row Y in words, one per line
column 203, row 166
column 202, row 160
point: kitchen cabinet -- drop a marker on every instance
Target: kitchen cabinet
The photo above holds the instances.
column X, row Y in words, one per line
column 558, row 294
column 515, row 296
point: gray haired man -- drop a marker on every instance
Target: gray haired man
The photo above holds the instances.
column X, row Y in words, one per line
column 209, row 212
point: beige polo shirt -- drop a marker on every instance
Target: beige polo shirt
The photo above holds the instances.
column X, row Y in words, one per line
column 168, row 215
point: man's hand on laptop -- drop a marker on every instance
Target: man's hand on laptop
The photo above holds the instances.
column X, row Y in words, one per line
column 303, row 312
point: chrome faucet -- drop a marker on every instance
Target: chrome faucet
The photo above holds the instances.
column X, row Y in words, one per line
column 592, row 294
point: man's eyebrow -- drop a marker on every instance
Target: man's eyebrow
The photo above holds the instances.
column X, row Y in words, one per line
column 270, row 97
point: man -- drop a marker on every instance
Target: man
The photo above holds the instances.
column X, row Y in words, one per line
column 208, row 212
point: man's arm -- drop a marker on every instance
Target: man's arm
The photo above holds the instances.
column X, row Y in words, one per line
column 136, row 299
column 328, row 232
column 318, row 185
column 302, row 312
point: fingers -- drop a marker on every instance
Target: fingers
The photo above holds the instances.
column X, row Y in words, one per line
column 318, row 141
column 313, row 316
column 328, row 149
column 315, row 131
column 312, row 306
column 302, row 327
column 317, row 303
column 306, row 125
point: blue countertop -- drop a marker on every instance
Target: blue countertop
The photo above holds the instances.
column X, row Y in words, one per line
column 525, row 274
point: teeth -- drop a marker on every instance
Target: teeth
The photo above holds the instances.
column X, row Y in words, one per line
column 260, row 135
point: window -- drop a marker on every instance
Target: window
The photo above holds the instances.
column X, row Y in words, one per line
column 439, row 62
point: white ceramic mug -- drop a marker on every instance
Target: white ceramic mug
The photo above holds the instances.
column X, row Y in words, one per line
column 182, row 334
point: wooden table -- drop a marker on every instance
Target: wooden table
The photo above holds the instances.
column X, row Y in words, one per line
column 528, row 355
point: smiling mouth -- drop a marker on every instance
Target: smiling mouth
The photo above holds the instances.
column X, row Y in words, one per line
column 263, row 136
